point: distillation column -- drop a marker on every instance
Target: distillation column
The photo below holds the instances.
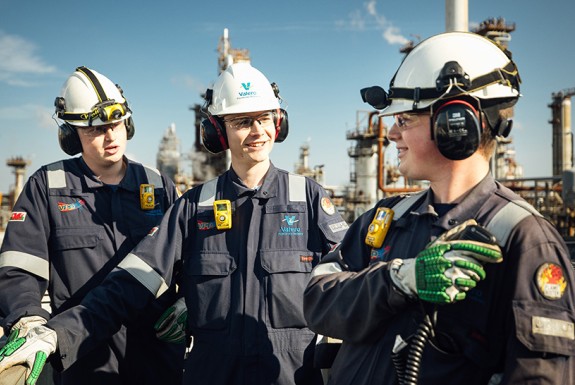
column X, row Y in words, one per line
column 562, row 134
column 19, row 165
column 456, row 16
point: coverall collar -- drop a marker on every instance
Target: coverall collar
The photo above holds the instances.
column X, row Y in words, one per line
column 460, row 213
column 129, row 182
column 268, row 189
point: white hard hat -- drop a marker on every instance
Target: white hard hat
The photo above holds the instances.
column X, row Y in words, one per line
column 88, row 98
column 449, row 65
column 242, row 88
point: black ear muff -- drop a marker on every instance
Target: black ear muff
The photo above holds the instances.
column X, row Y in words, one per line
column 130, row 127
column 69, row 140
column 456, row 129
column 67, row 135
column 282, row 125
column 213, row 134
column 60, row 104
column 504, row 127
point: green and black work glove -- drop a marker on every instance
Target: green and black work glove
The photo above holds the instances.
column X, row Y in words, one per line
column 171, row 326
column 30, row 348
column 449, row 266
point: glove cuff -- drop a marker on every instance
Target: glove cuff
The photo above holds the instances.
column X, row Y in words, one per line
column 402, row 272
column 24, row 324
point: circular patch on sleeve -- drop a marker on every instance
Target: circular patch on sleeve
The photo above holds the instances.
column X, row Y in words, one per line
column 327, row 206
column 551, row 281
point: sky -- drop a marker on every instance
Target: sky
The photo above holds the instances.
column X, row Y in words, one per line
column 320, row 53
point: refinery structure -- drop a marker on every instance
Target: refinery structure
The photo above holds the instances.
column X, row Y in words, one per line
column 371, row 177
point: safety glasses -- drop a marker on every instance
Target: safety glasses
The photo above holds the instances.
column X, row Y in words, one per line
column 95, row 131
column 245, row 122
column 405, row 121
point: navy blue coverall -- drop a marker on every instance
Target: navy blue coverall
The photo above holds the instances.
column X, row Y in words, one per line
column 67, row 231
column 517, row 325
column 243, row 286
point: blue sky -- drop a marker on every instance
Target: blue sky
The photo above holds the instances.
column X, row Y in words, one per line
column 320, row 53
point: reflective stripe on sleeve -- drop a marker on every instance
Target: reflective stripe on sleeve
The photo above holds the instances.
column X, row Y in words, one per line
column 510, row 215
column 326, row 268
column 154, row 177
column 208, row 193
column 56, row 175
column 144, row 273
column 297, row 188
column 26, row 262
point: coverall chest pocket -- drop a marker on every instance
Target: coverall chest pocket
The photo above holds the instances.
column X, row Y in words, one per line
column 287, row 274
column 286, row 227
column 210, row 289
column 71, row 248
column 74, row 238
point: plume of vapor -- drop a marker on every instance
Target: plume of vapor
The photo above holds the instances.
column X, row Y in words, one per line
column 390, row 33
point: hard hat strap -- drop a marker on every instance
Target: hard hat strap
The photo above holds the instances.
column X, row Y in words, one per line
column 95, row 83
column 506, row 75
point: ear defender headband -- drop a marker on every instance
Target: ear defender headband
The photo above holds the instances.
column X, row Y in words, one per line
column 456, row 129
column 213, row 129
column 106, row 109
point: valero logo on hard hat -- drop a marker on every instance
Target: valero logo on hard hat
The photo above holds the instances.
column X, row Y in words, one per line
column 248, row 93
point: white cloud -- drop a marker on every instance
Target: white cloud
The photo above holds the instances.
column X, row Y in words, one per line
column 393, row 36
column 359, row 20
column 390, row 33
column 189, row 82
column 39, row 114
column 19, row 60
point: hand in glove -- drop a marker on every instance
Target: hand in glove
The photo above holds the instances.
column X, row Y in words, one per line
column 24, row 324
column 30, row 349
column 448, row 266
column 171, row 326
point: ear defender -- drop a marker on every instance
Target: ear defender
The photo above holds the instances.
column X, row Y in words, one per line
column 69, row 140
column 213, row 134
column 130, row 127
column 456, row 129
column 215, row 139
column 67, row 135
column 282, row 125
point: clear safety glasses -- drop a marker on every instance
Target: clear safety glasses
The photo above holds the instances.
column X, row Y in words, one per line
column 406, row 121
column 95, row 131
column 245, row 122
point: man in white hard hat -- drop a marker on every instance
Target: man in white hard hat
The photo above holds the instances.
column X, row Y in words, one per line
column 246, row 243
column 463, row 283
column 75, row 220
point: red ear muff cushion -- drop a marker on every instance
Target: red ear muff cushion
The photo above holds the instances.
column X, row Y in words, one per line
column 282, row 126
column 456, row 129
column 214, row 136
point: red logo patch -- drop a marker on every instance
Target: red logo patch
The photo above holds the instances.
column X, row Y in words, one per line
column 18, row 216
column 551, row 281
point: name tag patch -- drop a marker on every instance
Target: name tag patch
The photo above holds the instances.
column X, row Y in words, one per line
column 553, row 327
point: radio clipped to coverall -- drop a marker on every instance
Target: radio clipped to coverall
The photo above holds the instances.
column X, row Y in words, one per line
column 378, row 227
column 223, row 214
